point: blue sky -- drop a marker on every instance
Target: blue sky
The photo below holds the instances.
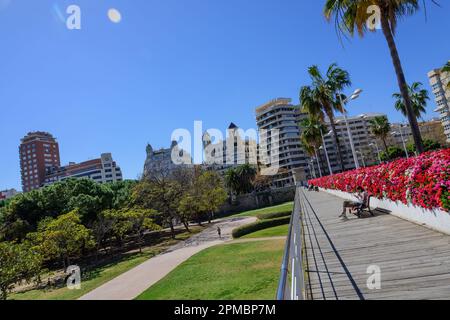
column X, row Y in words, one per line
column 114, row 87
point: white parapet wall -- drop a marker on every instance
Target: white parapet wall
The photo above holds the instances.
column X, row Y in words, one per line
column 437, row 220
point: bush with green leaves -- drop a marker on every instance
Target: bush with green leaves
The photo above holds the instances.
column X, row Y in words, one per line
column 273, row 215
column 259, row 225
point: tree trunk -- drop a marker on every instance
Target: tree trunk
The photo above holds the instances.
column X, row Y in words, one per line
column 336, row 138
column 186, row 226
column 387, row 31
column 385, row 146
column 3, row 293
column 172, row 229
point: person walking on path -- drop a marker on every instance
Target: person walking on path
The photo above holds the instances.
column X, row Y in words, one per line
column 219, row 232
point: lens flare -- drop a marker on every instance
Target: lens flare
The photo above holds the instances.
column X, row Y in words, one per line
column 114, row 15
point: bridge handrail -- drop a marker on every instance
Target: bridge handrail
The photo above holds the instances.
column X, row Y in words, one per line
column 292, row 263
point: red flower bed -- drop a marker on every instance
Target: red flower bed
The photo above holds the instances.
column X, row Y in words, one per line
column 423, row 181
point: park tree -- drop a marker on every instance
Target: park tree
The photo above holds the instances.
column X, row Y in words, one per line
column 141, row 222
column 18, row 262
column 380, row 128
column 239, row 180
column 63, row 238
column 190, row 208
column 212, row 193
column 161, row 195
column 419, row 98
column 322, row 98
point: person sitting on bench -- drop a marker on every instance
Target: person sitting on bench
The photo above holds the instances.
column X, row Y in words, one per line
column 362, row 198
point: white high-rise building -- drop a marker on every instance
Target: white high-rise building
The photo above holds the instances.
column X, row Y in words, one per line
column 365, row 142
column 438, row 82
column 282, row 116
column 230, row 152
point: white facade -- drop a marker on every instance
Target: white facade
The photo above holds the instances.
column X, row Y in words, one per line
column 280, row 114
column 235, row 150
column 102, row 170
column 438, row 82
column 360, row 128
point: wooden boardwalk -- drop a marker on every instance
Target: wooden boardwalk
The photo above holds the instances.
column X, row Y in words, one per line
column 414, row 261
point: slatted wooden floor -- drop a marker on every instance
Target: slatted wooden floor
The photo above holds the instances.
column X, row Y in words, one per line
column 414, row 261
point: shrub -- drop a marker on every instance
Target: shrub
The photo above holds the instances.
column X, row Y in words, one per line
column 273, row 215
column 423, row 181
column 259, row 225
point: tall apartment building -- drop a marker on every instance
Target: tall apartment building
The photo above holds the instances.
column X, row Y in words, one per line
column 39, row 155
column 101, row 170
column 363, row 139
column 280, row 114
column 438, row 82
column 230, row 152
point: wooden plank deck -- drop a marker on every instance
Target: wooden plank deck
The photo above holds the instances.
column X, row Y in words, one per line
column 414, row 261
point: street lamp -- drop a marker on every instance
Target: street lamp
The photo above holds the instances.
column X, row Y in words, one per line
column 362, row 157
column 324, row 147
column 378, row 150
column 354, row 96
column 395, row 133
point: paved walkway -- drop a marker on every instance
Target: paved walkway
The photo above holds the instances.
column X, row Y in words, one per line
column 133, row 282
column 414, row 261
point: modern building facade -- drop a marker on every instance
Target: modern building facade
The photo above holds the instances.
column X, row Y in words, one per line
column 366, row 144
column 230, row 152
column 282, row 117
column 101, row 170
column 39, row 155
column 438, row 82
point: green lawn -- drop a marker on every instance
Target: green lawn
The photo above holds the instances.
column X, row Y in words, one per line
column 102, row 274
column 288, row 206
column 278, row 231
column 237, row 271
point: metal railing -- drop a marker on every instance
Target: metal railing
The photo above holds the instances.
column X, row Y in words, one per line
column 291, row 285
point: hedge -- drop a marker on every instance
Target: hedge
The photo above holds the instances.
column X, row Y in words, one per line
column 273, row 215
column 260, row 225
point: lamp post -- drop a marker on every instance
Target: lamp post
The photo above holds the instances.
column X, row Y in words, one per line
column 378, row 150
column 324, row 147
column 403, row 141
column 318, row 163
column 362, row 157
column 354, row 96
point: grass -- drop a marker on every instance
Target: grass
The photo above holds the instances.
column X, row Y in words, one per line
column 240, row 271
column 278, row 231
column 288, row 206
column 102, row 274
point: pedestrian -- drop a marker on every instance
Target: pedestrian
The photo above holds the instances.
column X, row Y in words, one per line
column 219, row 232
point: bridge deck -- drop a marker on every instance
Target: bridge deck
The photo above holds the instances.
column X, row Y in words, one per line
column 414, row 261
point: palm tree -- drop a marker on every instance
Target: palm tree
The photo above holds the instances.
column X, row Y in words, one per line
column 351, row 15
column 446, row 68
column 380, row 128
column 311, row 136
column 418, row 97
column 320, row 99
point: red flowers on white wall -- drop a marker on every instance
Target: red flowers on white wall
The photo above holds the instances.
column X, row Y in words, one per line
column 423, row 181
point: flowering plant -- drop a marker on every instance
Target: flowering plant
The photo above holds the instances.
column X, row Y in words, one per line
column 422, row 181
